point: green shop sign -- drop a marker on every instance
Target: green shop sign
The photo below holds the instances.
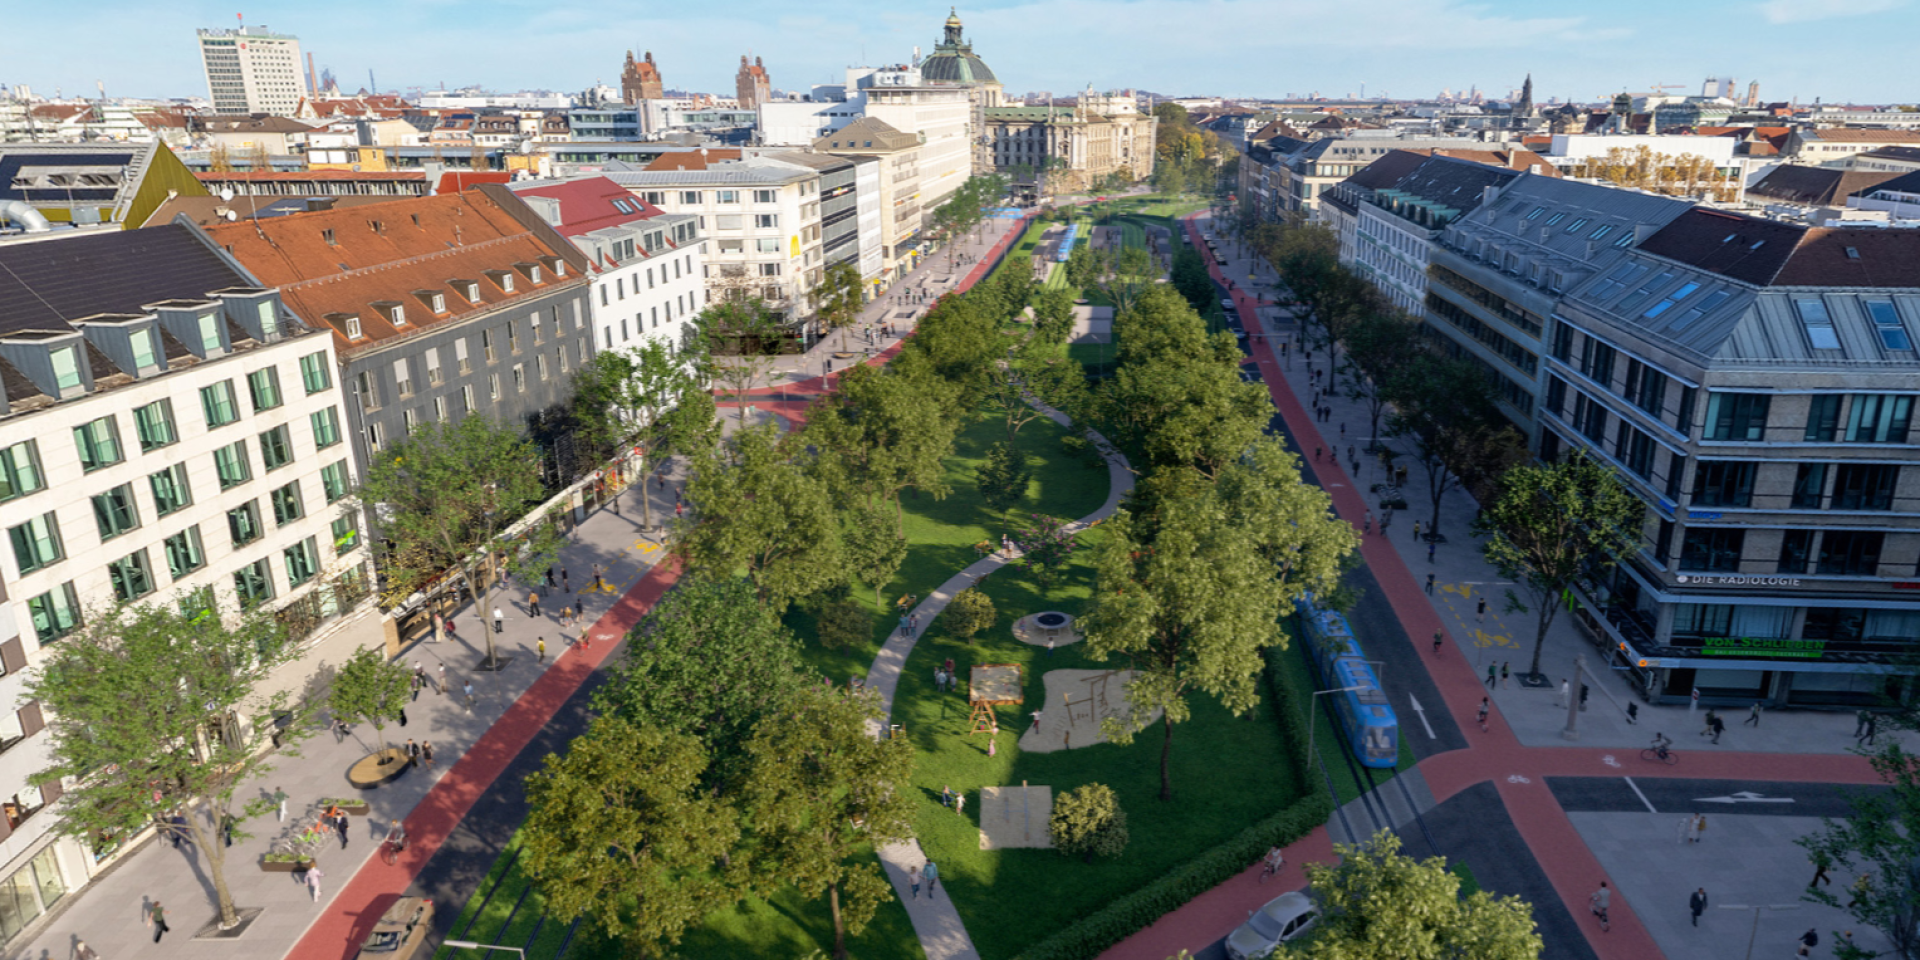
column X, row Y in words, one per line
column 1761, row 647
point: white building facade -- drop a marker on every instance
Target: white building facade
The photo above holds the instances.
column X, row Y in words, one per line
column 253, row 70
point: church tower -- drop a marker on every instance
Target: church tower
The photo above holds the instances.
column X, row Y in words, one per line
column 751, row 85
column 640, row 80
column 1523, row 108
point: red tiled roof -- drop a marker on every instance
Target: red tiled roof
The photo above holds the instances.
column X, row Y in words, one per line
column 586, row 204
column 338, row 262
column 691, row 159
column 454, row 181
column 312, row 175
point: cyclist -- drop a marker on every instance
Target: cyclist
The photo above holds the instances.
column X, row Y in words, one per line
column 1274, row 860
column 397, row 835
column 1660, row 745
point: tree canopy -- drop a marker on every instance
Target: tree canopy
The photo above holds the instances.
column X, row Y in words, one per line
column 762, row 512
column 1377, row 903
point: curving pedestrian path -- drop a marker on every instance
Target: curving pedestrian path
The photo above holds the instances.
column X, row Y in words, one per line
column 935, row 921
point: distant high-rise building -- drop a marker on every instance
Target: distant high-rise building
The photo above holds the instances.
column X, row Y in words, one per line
column 751, row 85
column 251, row 69
column 640, row 80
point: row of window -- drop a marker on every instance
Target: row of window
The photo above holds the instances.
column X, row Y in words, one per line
column 1698, row 620
column 369, row 389
column 1520, row 357
column 1816, row 486
column 1835, row 553
column 692, row 197
column 680, row 264
column 1507, row 310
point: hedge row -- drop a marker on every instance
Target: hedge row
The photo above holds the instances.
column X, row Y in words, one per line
column 1137, row 910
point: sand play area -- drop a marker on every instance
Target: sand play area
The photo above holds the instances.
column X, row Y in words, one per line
column 1015, row 817
column 1095, row 695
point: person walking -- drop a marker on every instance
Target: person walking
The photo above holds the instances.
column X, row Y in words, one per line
column 341, row 824
column 1753, row 714
column 1698, row 904
column 550, row 566
column 1480, row 611
column 1820, row 864
column 313, row 878
column 83, row 952
column 1707, row 731
column 1430, row 584
column 1432, row 549
column 1565, row 688
column 1873, row 727
column 1862, row 888
column 913, row 879
column 1809, row 940
column 467, row 689
column 443, row 679
column 426, row 752
column 1860, row 723
column 1699, row 826
column 1719, row 727
column 946, row 796
column 1599, row 902
column 157, row 919
column 413, row 753
column 1505, row 671
column 566, row 586
column 1416, row 531
column 599, row 579
column 932, row 873
column 1436, row 642
column 1492, row 673
column 1486, row 706
column 960, row 803
column 280, row 804
column 499, row 620
column 533, row 603
column 540, row 648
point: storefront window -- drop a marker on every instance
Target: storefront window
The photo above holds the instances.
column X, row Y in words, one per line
column 28, row 893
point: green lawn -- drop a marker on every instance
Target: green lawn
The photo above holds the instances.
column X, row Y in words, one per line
column 942, row 533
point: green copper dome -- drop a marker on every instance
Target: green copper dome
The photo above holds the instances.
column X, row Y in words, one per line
column 953, row 61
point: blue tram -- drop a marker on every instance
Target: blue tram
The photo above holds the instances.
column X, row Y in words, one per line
column 1366, row 718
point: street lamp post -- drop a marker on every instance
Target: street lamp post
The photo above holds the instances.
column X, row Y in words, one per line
column 482, row 946
column 1756, row 908
column 1312, row 727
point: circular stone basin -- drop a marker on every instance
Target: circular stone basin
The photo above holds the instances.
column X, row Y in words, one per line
column 375, row 769
column 1052, row 620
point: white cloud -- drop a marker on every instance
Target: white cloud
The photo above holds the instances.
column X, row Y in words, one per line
column 1801, row 11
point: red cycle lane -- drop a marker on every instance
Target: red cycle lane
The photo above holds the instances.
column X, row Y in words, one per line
column 347, row 920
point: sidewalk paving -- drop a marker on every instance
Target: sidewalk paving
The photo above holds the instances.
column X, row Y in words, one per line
column 106, row 912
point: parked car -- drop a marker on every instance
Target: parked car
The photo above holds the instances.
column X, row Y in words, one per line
column 1285, row 917
column 400, row 931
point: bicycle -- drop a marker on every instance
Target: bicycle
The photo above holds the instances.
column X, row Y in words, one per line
column 1660, row 752
column 391, row 849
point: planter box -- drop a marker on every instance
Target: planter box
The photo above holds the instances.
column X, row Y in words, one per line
column 357, row 808
column 284, row 866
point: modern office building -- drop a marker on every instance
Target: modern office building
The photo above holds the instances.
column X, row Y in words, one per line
column 1396, row 225
column 1496, row 275
column 169, row 433
column 251, row 69
column 440, row 307
column 897, row 154
column 1754, row 383
column 644, row 264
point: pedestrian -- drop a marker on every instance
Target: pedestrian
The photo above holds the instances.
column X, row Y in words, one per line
column 1820, row 864
column 1050, row 646
column 413, row 753
column 599, row 581
column 180, row 835
column 1873, row 727
column 1430, row 584
column 467, row 688
column 1860, row 723
column 550, row 566
column 1505, row 671
column 913, row 878
column 1753, row 714
column 533, row 603
column 499, row 620
column 1561, row 701
column 1036, row 722
column 946, row 796
column 403, row 716
column 1436, row 642
column 1719, row 727
column 1707, row 730
column 1431, row 547
column 1386, row 520
column 566, row 616
column 1633, row 713
column 1684, row 833
column 960, row 803
column 541, row 647
column 1862, row 888
column 993, row 739
column 1491, row 674
column 83, row 952
column 1416, row 531
column 932, row 873
column 1809, row 940
column 157, row 919
column 1480, row 611
column 1343, row 429
column 1598, row 903
column 913, row 625
column 279, row 799
column 1486, row 705
column 443, row 679
column 565, row 587
column 341, row 824
column 1698, row 904
column 226, row 830
column 1699, row 827
column 313, row 881
column 426, row 752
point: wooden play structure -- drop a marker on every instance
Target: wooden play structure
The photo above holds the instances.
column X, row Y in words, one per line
column 992, row 685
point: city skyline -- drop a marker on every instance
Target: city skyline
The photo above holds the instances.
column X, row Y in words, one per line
column 1410, row 51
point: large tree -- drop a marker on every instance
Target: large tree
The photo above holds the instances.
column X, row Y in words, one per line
column 892, row 428
column 875, row 546
column 1444, row 406
column 1004, row 477
column 1123, row 274
column 838, row 299
column 447, row 498
column 1053, row 315
column 743, row 338
column 709, row 660
column 370, row 688
column 1191, row 598
column 764, row 514
column 1377, row 903
column 620, row 832
column 1553, row 525
column 154, row 712
column 1381, row 345
column 824, row 789
column 622, row 397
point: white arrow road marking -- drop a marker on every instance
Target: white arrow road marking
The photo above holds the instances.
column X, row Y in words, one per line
column 1744, row 796
column 1423, row 716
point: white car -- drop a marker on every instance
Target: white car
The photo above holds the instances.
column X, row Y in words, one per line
column 1285, row 917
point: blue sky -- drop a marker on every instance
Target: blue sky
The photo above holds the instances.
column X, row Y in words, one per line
column 1403, row 48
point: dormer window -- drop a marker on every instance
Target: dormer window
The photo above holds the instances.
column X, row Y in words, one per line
column 502, row 279
column 66, row 368
column 327, row 235
column 395, row 312
column 377, row 226
column 469, row 289
column 347, row 323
